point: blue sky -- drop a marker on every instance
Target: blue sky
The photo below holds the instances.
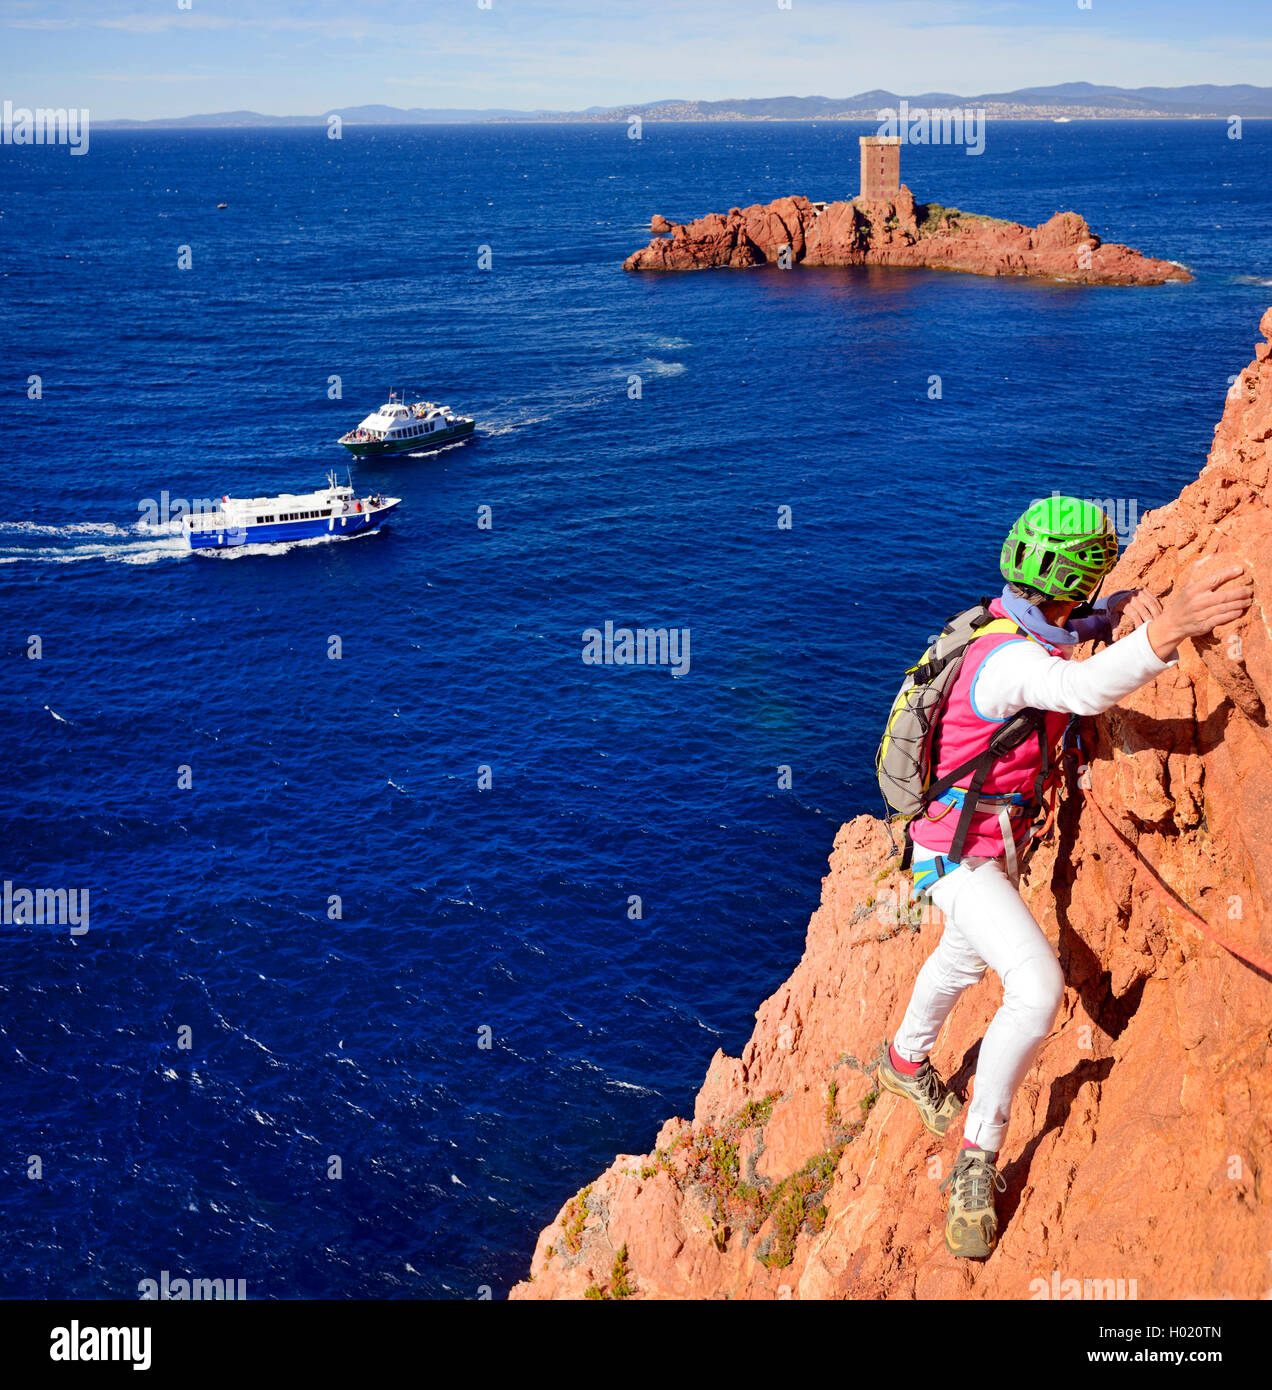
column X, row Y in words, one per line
column 146, row 58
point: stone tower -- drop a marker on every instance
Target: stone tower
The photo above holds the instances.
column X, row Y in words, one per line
column 880, row 166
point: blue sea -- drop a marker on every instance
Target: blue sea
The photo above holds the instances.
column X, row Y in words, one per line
column 390, row 953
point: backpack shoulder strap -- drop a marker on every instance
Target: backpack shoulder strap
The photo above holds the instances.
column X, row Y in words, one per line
column 1009, row 734
column 1007, row 625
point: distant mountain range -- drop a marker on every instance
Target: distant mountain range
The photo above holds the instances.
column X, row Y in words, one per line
column 353, row 115
column 1075, row 100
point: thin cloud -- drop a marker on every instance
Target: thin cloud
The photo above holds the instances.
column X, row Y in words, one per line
column 290, row 56
column 159, row 76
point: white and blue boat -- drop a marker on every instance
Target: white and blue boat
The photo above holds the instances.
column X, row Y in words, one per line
column 334, row 511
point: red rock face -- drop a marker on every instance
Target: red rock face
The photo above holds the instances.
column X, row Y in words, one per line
column 887, row 232
column 1139, row 1144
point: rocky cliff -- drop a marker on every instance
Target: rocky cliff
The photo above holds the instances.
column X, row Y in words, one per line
column 896, row 232
column 1140, row 1147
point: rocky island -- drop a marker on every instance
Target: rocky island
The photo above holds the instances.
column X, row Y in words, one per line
column 1137, row 1158
column 894, row 230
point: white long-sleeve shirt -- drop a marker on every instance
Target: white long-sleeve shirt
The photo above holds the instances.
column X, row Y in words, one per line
column 1024, row 675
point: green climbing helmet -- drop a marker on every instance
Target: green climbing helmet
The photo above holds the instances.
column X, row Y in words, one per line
column 1061, row 546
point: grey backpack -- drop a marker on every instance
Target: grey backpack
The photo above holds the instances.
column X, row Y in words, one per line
column 907, row 750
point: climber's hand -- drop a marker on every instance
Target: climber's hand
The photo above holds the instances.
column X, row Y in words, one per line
column 1133, row 606
column 1199, row 605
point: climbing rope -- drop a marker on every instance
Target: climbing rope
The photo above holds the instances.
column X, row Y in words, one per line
column 1140, row 864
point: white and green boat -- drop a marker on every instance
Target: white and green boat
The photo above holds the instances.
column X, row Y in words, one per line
column 399, row 427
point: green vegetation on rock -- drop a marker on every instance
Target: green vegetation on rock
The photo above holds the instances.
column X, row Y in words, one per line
column 620, row 1284
column 574, row 1219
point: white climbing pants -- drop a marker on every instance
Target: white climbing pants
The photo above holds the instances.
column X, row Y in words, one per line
column 986, row 925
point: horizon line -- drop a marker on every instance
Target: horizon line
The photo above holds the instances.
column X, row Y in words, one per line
column 1106, row 98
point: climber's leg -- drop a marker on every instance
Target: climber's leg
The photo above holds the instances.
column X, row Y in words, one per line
column 994, row 922
column 946, row 973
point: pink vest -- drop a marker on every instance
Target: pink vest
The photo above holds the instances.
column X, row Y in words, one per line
column 963, row 733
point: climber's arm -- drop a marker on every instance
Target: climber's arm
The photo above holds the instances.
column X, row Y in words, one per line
column 1024, row 675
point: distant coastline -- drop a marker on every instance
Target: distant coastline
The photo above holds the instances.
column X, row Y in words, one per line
column 565, row 118
column 1071, row 100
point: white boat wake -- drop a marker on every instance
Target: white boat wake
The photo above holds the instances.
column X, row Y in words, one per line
column 143, row 543
column 33, row 542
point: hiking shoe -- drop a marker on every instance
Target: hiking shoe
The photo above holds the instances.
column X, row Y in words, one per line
column 937, row 1104
column 971, row 1225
